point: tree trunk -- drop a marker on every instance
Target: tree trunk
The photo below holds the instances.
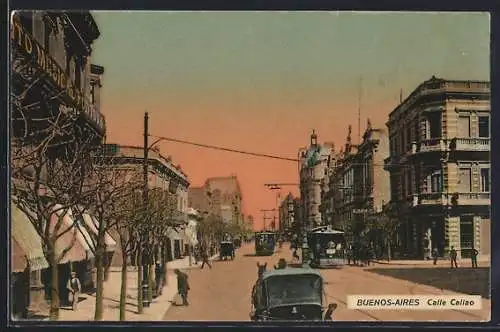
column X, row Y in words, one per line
column 54, row 286
column 99, row 286
column 150, row 282
column 164, row 264
column 140, row 308
column 123, row 291
column 388, row 250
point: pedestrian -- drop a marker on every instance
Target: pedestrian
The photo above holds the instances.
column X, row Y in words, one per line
column 182, row 286
column 204, row 258
column 159, row 278
column 453, row 258
column 329, row 311
column 74, row 287
column 473, row 257
column 354, row 252
column 435, row 255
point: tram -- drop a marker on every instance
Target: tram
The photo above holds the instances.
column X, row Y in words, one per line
column 328, row 247
column 265, row 243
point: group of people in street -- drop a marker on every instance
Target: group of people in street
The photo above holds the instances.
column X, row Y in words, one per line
column 453, row 257
column 359, row 254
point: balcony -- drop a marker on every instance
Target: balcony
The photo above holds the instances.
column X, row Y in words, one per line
column 471, row 198
column 34, row 62
column 471, row 144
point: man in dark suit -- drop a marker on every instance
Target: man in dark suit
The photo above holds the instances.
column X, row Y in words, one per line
column 182, row 286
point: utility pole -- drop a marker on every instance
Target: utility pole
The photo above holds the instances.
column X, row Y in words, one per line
column 359, row 108
column 145, row 194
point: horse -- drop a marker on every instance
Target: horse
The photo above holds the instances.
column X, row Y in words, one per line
column 261, row 269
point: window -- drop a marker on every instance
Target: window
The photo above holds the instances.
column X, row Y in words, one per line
column 485, row 180
column 464, row 126
column 484, row 126
column 434, row 125
column 408, row 137
column 409, row 183
column 464, row 180
column 436, row 182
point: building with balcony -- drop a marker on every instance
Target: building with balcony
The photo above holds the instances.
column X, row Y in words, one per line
column 289, row 214
column 165, row 177
column 312, row 165
column 50, row 94
column 52, row 76
column 439, row 165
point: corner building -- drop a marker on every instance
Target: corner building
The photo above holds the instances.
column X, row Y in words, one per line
column 439, row 166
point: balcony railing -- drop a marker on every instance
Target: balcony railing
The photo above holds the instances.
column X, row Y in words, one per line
column 439, row 198
column 456, row 144
column 44, row 61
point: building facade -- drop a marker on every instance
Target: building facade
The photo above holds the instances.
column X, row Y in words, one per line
column 313, row 162
column 51, row 78
column 168, row 178
column 220, row 196
column 439, row 167
column 289, row 213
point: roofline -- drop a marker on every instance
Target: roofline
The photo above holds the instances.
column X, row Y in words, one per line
column 421, row 85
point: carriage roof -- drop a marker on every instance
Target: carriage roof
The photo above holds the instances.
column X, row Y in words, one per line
column 290, row 272
column 325, row 230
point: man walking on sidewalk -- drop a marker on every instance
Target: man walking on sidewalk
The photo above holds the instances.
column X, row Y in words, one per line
column 182, row 286
column 435, row 255
column 204, row 258
column 473, row 257
column 74, row 287
column 453, row 258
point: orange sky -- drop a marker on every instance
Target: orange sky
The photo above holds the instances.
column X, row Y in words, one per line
column 271, row 131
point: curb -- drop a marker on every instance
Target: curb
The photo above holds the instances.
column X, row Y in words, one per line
column 420, row 263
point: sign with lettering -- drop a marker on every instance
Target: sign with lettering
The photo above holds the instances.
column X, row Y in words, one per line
column 25, row 42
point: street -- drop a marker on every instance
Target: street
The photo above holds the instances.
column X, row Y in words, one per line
column 223, row 292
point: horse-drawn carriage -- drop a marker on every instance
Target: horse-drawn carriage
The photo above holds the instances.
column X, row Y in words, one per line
column 226, row 250
column 288, row 294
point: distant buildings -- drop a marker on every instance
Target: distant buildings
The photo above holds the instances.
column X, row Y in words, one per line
column 312, row 165
column 439, row 167
column 220, row 196
column 289, row 213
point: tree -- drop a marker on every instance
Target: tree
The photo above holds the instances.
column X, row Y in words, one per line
column 113, row 185
column 127, row 227
column 388, row 224
column 48, row 184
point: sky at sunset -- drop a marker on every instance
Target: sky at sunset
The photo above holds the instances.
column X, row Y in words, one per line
column 261, row 81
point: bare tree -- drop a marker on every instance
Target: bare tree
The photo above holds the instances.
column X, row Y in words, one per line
column 112, row 185
column 48, row 183
column 127, row 226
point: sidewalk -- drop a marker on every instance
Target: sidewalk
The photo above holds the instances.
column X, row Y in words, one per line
column 441, row 262
column 111, row 299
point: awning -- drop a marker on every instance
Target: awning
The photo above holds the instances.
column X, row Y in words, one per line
column 174, row 235
column 18, row 259
column 81, row 248
column 93, row 224
column 26, row 239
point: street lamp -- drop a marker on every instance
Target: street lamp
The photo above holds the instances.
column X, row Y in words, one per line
column 306, row 254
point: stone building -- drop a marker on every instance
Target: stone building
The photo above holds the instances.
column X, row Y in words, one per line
column 289, row 214
column 166, row 177
column 51, row 78
column 220, row 196
column 312, row 165
column 439, row 166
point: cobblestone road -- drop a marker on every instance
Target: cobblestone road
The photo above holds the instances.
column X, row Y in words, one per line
column 223, row 293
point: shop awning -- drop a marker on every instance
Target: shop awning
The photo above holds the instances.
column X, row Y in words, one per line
column 92, row 224
column 25, row 239
column 77, row 239
column 174, row 234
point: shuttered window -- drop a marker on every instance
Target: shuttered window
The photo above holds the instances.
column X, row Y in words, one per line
column 464, row 180
column 464, row 126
